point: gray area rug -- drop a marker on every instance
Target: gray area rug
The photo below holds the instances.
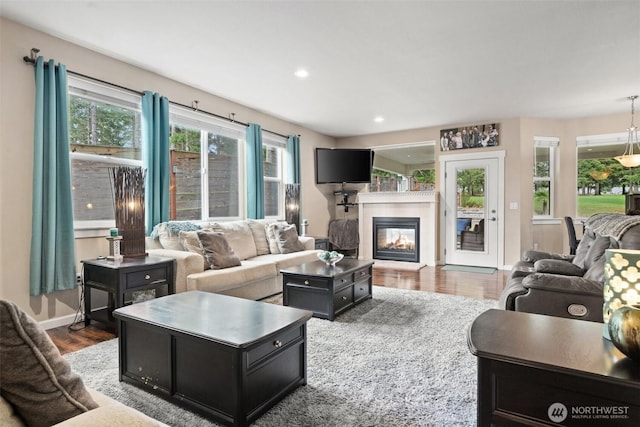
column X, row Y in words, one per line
column 400, row 359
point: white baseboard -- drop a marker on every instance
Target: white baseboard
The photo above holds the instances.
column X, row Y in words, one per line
column 59, row 321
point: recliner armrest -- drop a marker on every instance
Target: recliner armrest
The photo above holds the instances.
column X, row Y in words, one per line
column 533, row 256
column 564, row 284
column 555, row 266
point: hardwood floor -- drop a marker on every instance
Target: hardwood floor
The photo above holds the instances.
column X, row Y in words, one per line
column 430, row 279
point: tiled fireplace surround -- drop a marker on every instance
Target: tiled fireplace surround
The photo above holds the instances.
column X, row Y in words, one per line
column 422, row 204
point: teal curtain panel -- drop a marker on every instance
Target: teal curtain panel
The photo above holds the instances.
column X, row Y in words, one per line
column 255, row 174
column 53, row 260
column 293, row 160
column 156, row 161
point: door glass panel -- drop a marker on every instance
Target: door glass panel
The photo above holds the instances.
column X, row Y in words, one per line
column 470, row 209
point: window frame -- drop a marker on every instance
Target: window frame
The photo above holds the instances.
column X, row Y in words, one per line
column 84, row 88
column 280, row 144
column 182, row 116
column 552, row 144
column 599, row 140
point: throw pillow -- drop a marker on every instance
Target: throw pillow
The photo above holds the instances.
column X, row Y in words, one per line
column 191, row 243
column 287, row 238
column 271, row 237
column 169, row 233
column 239, row 236
column 34, row 377
column 259, row 236
column 217, row 251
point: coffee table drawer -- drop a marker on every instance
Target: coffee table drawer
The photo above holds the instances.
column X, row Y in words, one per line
column 362, row 274
column 343, row 299
column 272, row 346
column 361, row 290
column 340, row 282
column 307, row 281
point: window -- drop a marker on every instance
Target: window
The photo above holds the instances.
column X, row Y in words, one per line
column 206, row 155
column 104, row 132
column 272, row 164
column 543, row 175
column 602, row 181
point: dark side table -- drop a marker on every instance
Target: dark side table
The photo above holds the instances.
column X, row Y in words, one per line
column 544, row 370
column 120, row 279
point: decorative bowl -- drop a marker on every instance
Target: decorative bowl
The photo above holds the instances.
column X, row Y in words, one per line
column 330, row 257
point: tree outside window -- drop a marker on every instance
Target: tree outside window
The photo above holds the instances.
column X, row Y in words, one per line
column 602, row 182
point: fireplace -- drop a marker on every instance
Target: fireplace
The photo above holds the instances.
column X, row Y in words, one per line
column 396, row 239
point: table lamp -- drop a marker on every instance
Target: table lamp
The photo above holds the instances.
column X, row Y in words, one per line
column 621, row 282
column 128, row 197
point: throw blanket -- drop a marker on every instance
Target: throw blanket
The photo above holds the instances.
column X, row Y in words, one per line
column 613, row 225
column 343, row 233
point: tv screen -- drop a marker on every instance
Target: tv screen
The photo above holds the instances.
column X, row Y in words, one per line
column 338, row 165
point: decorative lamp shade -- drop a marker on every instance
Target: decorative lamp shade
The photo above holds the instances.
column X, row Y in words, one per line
column 621, row 282
column 292, row 205
column 128, row 198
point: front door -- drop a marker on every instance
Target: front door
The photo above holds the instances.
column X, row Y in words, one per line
column 472, row 211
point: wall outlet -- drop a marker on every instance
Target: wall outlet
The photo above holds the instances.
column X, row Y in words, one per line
column 79, row 279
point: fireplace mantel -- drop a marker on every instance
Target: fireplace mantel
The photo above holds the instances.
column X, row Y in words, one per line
column 422, row 204
column 398, row 197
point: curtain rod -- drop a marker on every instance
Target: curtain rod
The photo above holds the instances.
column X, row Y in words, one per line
column 32, row 60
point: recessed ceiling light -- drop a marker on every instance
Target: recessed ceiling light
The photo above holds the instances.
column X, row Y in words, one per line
column 379, row 119
column 301, row 73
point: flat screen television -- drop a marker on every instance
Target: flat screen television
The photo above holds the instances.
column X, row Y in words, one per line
column 343, row 165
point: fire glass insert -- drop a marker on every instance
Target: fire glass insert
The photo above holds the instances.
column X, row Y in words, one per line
column 396, row 239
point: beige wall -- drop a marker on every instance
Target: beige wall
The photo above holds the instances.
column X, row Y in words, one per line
column 16, row 140
column 318, row 201
column 516, row 138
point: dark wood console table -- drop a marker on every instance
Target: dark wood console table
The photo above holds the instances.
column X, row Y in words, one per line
column 534, row 368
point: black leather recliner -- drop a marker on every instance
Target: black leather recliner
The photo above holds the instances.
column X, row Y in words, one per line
column 566, row 285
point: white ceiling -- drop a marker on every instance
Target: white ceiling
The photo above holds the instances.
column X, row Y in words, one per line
column 416, row 63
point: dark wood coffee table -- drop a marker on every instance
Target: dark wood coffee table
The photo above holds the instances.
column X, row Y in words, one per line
column 229, row 358
column 327, row 291
column 532, row 368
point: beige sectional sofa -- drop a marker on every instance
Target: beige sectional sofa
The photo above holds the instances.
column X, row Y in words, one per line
column 261, row 257
column 38, row 387
column 109, row 413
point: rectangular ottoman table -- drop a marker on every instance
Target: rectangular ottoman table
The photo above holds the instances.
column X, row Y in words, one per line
column 229, row 358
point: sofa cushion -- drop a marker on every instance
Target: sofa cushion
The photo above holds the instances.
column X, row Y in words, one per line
column 229, row 278
column 217, row 251
column 239, row 236
column 288, row 260
column 8, row 415
column 258, row 229
column 114, row 415
column 191, row 243
column 34, row 377
column 287, row 238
